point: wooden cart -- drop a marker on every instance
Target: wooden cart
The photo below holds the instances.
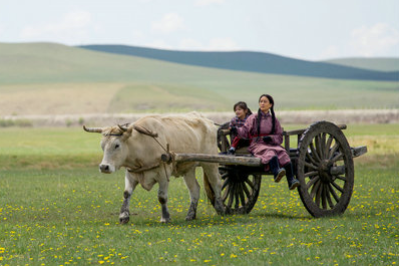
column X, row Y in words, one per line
column 322, row 160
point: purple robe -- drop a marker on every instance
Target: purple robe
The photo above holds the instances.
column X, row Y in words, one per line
column 258, row 147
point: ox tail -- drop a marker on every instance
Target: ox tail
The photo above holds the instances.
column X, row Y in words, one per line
column 208, row 189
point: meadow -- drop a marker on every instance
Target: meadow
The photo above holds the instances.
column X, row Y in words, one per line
column 57, row 209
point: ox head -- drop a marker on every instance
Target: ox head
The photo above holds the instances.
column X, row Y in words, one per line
column 115, row 147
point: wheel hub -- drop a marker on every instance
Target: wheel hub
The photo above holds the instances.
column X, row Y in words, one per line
column 324, row 172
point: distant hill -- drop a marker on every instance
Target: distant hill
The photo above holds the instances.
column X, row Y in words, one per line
column 379, row 64
column 55, row 79
column 251, row 62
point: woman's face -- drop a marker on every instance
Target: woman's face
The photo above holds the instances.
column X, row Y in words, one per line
column 264, row 104
column 240, row 113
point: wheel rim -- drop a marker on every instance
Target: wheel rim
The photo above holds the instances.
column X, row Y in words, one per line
column 325, row 170
column 240, row 190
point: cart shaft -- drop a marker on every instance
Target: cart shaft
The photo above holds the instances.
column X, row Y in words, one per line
column 209, row 158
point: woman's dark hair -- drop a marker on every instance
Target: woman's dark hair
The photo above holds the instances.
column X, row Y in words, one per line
column 270, row 98
column 243, row 105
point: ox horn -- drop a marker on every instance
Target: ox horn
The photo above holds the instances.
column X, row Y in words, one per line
column 93, row 129
column 124, row 129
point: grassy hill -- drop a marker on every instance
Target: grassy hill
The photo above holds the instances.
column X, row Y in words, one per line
column 47, row 78
column 252, row 62
column 379, row 64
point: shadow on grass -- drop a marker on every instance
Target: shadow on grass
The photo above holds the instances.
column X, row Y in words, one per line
column 284, row 216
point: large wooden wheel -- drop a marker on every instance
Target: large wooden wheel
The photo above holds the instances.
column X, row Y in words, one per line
column 241, row 185
column 240, row 189
column 325, row 170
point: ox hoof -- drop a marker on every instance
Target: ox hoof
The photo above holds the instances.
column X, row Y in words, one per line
column 190, row 218
column 219, row 207
column 124, row 218
column 165, row 220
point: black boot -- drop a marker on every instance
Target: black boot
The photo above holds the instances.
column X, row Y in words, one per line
column 292, row 181
column 276, row 170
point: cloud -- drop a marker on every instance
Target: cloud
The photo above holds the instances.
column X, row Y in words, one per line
column 208, row 2
column 375, row 40
column 138, row 35
column 72, row 26
column 215, row 44
column 170, row 22
column 331, row 51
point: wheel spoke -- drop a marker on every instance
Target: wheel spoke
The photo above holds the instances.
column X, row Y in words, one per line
column 312, row 173
column 242, row 197
column 225, row 175
column 319, row 148
column 247, row 193
column 226, row 183
column 328, row 145
column 231, row 195
column 341, row 178
column 314, row 153
column 318, row 194
column 226, row 192
column 323, row 144
column 324, row 197
column 333, row 193
column 330, row 203
column 311, row 166
column 250, row 183
column 236, row 194
column 337, row 187
column 337, row 157
column 315, row 188
column 333, row 150
column 312, row 182
column 312, row 160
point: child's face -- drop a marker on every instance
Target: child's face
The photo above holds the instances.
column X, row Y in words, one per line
column 240, row 113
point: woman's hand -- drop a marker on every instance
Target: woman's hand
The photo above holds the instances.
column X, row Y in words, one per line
column 267, row 139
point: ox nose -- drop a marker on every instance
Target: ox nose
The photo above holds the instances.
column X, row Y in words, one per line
column 104, row 168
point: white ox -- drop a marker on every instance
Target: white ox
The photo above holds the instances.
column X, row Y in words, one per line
column 138, row 147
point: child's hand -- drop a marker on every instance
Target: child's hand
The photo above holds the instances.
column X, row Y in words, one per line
column 233, row 130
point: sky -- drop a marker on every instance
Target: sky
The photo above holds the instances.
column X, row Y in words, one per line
column 303, row 29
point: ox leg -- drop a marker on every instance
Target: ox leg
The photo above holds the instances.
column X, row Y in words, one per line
column 130, row 185
column 163, row 199
column 194, row 188
column 211, row 173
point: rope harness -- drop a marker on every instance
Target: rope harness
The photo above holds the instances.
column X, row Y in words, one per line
column 141, row 168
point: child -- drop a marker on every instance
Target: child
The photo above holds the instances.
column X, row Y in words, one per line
column 242, row 113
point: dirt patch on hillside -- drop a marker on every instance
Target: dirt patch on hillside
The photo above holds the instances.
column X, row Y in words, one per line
column 285, row 117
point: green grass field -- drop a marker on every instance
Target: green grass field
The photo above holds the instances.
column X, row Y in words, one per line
column 57, row 209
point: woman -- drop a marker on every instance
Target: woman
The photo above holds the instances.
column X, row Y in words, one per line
column 266, row 135
column 242, row 113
